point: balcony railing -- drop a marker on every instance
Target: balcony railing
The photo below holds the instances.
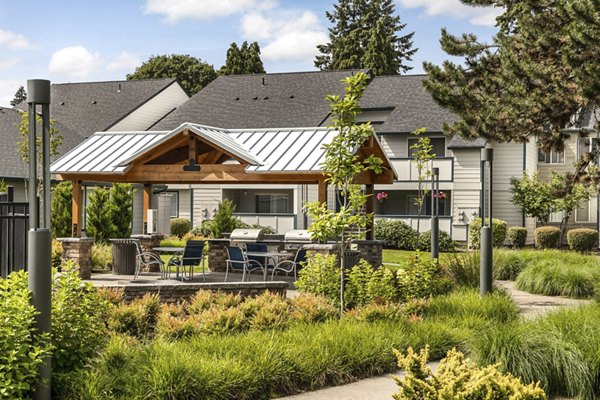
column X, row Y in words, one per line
column 407, row 171
column 282, row 223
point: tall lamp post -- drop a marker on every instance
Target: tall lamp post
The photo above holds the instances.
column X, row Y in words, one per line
column 39, row 238
column 435, row 210
column 486, row 242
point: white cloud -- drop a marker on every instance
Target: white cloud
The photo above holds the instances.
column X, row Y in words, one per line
column 9, row 63
column 176, row 10
column 124, row 62
column 14, row 41
column 8, row 88
column 476, row 15
column 289, row 36
column 73, row 62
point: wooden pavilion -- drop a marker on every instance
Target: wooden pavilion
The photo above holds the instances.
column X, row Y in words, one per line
column 197, row 154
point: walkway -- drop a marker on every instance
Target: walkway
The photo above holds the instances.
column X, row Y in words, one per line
column 382, row 387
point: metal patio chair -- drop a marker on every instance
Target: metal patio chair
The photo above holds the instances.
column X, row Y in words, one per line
column 193, row 255
column 146, row 259
column 288, row 266
column 237, row 260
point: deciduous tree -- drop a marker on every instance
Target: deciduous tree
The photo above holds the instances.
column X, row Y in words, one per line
column 192, row 72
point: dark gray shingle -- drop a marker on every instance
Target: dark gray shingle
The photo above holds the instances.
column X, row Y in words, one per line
column 277, row 100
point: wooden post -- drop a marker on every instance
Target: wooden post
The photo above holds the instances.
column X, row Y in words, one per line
column 322, row 191
column 370, row 209
column 76, row 210
column 147, row 206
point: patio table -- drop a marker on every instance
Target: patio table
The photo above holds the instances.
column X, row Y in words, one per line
column 275, row 256
column 175, row 251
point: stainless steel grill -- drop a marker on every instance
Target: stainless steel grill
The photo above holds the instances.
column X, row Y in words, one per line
column 246, row 235
column 298, row 236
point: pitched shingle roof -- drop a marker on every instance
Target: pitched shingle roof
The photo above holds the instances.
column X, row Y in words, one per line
column 413, row 107
column 90, row 107
column 261, row 101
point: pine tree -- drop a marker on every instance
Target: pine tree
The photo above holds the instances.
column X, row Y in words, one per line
column 99, row 223
column 121, row 209
column 61, row 210
column 20, row 96
column 365, row 35
column 243, row 60
column 252, row 62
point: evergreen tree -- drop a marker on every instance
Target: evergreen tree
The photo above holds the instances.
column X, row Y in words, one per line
column 243, row 60
column 541, row 69
column 365, row 35
column 192, row 72
column 252, row 62
column 20, row 96
column 121, row 209
column 61, row 210
column 99, row 222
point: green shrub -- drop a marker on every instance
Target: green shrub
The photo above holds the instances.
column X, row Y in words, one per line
column 101, row 256
column 172, row 241
column 396, row 234
column 421, row 277
column 273, row 312
column 582, row 239
column 137, row 319
column 61, row 209
column 78, row 315
column 498, row 232
column 321, row 276
column 376, row 312
column 458, row 378
column 221, row 321
column 517, row 236
column 223, row 221
column 446, row 243
column 547, row 237
column 56, row 253
column 180, row 226
column 20, row 353
column 99, row 222
column 308, row 308
column 382, row 286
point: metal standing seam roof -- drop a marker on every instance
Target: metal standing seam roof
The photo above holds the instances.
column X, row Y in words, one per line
column 266, row 150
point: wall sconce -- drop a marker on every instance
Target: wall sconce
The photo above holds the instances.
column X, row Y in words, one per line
column 205, row 213
column 461, row 216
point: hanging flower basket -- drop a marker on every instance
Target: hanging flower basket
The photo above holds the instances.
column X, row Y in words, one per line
column 382, row 196
column 440, row 195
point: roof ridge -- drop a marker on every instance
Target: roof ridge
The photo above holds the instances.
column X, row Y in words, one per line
column 115, row 81
column 295, row 73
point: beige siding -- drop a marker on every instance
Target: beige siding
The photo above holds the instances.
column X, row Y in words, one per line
column 531, row 165
column 138, row 211
column 508, row 163
column 153, row 110
column 465, row 194
column 545, row 170
column 206, row 197
column 184, row 203
column 395, row 145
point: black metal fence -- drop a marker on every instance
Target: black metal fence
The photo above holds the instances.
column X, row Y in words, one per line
column 14, row 225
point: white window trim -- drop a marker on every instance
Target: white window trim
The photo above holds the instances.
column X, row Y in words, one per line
column 430, row 137
column 589, row 219
column 548, row 155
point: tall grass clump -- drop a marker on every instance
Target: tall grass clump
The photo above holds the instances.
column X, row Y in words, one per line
column 559, row 350
column 555, row 277
column 508, row 264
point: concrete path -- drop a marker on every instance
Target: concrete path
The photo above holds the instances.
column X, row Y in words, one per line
column 382, row 387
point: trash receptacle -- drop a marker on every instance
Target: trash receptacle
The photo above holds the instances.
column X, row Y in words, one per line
column 123, row 256
column 351, row 258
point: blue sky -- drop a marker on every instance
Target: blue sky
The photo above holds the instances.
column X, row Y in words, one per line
column 74, row 41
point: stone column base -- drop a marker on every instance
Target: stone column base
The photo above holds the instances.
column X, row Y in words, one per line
column 217, row 254
column 371, row 251
column 79, row 250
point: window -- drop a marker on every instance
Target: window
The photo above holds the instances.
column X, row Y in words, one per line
column 586, row 145
column 556, row 216
column 583, row 213
column 552, row 157
column 174, row 199
column 413, row 208
column 271, row 203
column 438, row 144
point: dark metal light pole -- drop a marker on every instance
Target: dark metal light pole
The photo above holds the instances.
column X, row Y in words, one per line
column 435, row 210
column 40, row 240
column 486, row 242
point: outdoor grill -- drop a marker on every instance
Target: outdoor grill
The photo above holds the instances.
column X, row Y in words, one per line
column 246, row 236
column 296, row 238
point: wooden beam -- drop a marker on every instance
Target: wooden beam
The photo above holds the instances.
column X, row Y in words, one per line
column 370, row 209
column 147, row 205
column 193, row 149
column 76, row 210
column 322, row 194
column 160, row 150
